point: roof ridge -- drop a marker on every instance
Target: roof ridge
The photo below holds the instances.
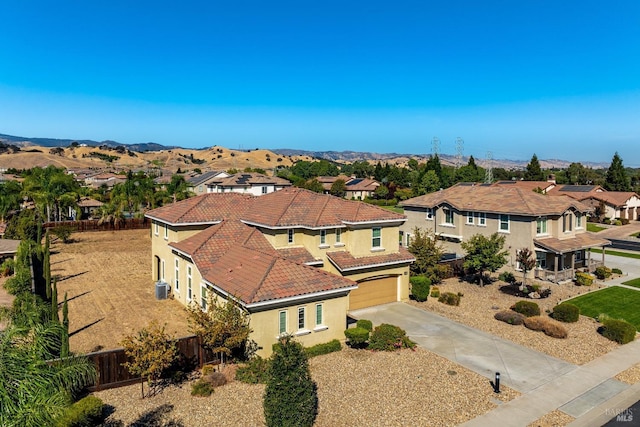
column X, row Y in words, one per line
column 320, row 211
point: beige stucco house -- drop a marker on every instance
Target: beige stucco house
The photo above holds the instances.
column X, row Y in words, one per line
column 297, row 261
column 256, row 184
column 617, row 204
column 554, row 228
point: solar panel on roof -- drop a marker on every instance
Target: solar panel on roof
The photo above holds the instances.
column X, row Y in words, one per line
column 356, row 181
column 506, row 182
column 577, row 188
column 243, row 179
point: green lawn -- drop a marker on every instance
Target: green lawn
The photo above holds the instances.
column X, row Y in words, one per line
column 635, row 283
column 593, row 227
column 616, row 253
column 617, row 302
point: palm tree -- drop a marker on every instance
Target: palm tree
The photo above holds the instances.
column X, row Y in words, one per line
column 36, row 388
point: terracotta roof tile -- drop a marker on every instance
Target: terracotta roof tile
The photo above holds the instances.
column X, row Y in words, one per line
column 299, row 254
column 246, row 179
column 207, row 208
column 345, row 261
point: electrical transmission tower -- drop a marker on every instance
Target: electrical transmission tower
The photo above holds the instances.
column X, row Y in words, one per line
column 488, row 172
column 435, row 146
column 459, row 151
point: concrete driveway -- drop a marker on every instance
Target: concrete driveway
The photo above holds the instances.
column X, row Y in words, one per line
column 520, row 368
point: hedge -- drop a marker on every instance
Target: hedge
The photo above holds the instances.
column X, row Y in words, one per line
column 619, row 331
column 324, row 348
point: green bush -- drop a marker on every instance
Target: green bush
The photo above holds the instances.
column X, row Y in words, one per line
column 450, row 298
column 623, row 221
column 603, row 272
column 7, row 267
column 566, row 312
column 619, row 331
column 616, row 271
column 324, row 348
column 20, row 282
column 527, row 308
column 389, row 338
column 507, row 276
column 201, row 388
column 439, row 272
column 365, row 324
column 254, row 372
column 606, row 221
column 583, row 279
column 510, row 317
column 63, row 232
column 435, row 292
column 357, row 336
column 86, row 412
column 420, row 286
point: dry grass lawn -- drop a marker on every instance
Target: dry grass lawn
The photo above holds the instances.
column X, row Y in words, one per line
column 107, row 278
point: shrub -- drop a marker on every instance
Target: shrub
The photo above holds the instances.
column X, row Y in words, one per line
column 389, row 338
column 450, row 298
column 420, row 287
column 216, row 379
column 435, row 292
column 549, row 326
column 507, row 276
column 63, row 232
column 616, row 271
column 527, row 308
column 619, row 331
column 7, row 267
column 566, row 312
column 624, row 221
column 439, row 272
column 603, row 272
column 254, row 372
column 357, row 336
column 606, row 221
column 584, row 279
column 207, row 369
column 86, row 412
column 201, row 388
column 365, row 324
column 509, row 316
column 324, row 348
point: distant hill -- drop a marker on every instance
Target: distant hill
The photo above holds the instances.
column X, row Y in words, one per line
column 53, row 142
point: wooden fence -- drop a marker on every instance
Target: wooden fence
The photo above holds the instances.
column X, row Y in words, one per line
column 95, row 225
column 112, row 374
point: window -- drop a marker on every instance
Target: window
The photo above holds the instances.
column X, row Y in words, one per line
column 338, row 235
column 541, row 260
column 376, row 240
column 448, row 216
column 541, row 225
column 200, row 188
column 301, row 312
column 318, row 314
column 290, row 235
column 429, row 213
column 176, row 279
column 323, row 237
column 166, row 231
column 578, row 220
column 578, row 256
column 567, row 224
column 482, row 219
column 470, row 218
column 504, row 222
column 282, row 322
column 189, row 294
column 203, row 296
column 264, row 189
column 156, row 228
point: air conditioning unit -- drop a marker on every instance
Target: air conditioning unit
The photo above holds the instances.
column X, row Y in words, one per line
column 162, row 288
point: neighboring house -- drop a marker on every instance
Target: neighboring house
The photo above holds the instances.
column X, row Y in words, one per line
column 107, row 178
column 539, row 186
column 356, row 188
column 8, row 248
column 554, row 228
column 297, row 261
column 87, row 207
column 198, row 183
column 252, row 183
column 617, row 204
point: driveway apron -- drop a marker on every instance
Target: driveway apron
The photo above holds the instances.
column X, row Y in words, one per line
column 520, row 368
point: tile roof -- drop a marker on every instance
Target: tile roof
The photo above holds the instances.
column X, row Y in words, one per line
column 505, row 199
column 297, row 207
column 87, row 202
column 207, row 208
column 246, row 179
column 528, row 185
column 298, row 254
column 345, row 261
column 580, row 241
column 201, row 178
column 362, row 184
column 584, row 192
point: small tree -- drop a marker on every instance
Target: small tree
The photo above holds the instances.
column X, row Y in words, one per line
column 526, row 261
column 64, row 347
column 224, row 327
column 290, row 398
column 54, row 302
column 533, row 171
column 150, row 352
column 425, row 247
column 47, row 264
column 63, row 232
column 484, row 254
column 338, row 188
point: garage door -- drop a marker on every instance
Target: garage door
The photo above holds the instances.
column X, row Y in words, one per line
column 374, row 292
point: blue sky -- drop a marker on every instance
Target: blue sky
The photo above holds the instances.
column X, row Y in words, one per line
column 559, row 79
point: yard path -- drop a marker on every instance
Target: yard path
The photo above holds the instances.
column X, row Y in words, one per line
column 620, row 231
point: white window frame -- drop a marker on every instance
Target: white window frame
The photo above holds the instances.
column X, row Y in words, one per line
column 469, row 218
column 264, row 189
column 338, row 235
column 319, row 314
column 203, row 296
column 200, row 188
column 323, row 237
column 578, row 255
column 282, row 325
column 290, row 236
column 541, row 260
column 376, row 241
column 578, row 216
column 448, row 217
column 542, row 226
column 504, row 219
column 482, row 219
column 156, row 228
column 176, row 279
column 166, row 232
column 189, row 283
column 429, row 214
column 302, row 318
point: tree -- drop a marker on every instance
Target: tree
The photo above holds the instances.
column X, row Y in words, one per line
column 314, row 185
column 150, row 351
column 33, row 391
column 381, row 192
column 47, row 264
column 64, row 347
column 430, row 182
column 617, row 179
column 338, row 188
column 425, row 246
column 533, row 171
column 526, row 261
column 54, row 302
column 223, row 328
column 290, row 397
column 484, row 254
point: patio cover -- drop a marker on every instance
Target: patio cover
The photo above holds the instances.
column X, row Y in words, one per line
column 578, row 242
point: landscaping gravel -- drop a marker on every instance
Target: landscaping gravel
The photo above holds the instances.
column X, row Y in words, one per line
column 553, row 419
column 630, row 376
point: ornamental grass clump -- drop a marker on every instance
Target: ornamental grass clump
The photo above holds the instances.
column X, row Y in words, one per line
column 509, row 316
column 549, row 326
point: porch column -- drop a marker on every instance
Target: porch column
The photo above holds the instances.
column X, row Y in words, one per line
column 589, row 260
column 573, row 261
column 555, row 264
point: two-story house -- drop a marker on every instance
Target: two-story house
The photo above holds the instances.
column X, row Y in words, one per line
column 554, row 228
column 617, row 204
column 297, row 261
column 253, row 183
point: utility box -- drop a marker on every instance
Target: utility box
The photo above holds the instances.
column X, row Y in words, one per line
column 162, row 289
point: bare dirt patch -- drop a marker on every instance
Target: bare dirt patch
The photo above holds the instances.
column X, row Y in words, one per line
column 355, row 388
column 107, row 278
column 479, row 305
